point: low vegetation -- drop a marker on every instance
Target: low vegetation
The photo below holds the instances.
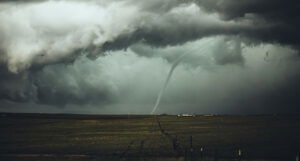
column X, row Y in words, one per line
column 56, row 137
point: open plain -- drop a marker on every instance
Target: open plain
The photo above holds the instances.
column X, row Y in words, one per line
column 64, row 137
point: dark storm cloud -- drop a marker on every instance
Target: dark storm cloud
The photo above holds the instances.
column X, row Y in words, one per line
column 37, row 39
column 16, row 87
column 282, row 16
column 58, row 85
column 272, row 21
column 115, row 25
column 70, row 84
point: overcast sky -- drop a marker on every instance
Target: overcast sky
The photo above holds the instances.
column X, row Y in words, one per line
column 113, row 56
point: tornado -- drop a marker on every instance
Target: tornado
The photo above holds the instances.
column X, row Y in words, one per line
column 174, row 65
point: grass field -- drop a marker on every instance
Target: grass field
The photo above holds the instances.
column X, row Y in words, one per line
column 45, row 137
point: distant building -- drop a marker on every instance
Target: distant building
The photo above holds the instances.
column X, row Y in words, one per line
column 209, row 115
column 185, row 115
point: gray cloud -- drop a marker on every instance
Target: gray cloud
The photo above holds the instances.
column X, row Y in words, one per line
column 45, row 46
column 33, row 34
column 228, row 51
column 281, row 17
column 16, row 87
column 125, row 82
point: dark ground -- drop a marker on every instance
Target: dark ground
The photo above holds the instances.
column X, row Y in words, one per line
column 45, row 137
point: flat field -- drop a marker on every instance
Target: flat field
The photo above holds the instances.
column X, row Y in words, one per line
column 62, row 137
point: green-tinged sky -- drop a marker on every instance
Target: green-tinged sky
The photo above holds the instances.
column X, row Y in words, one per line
column 104, row 56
